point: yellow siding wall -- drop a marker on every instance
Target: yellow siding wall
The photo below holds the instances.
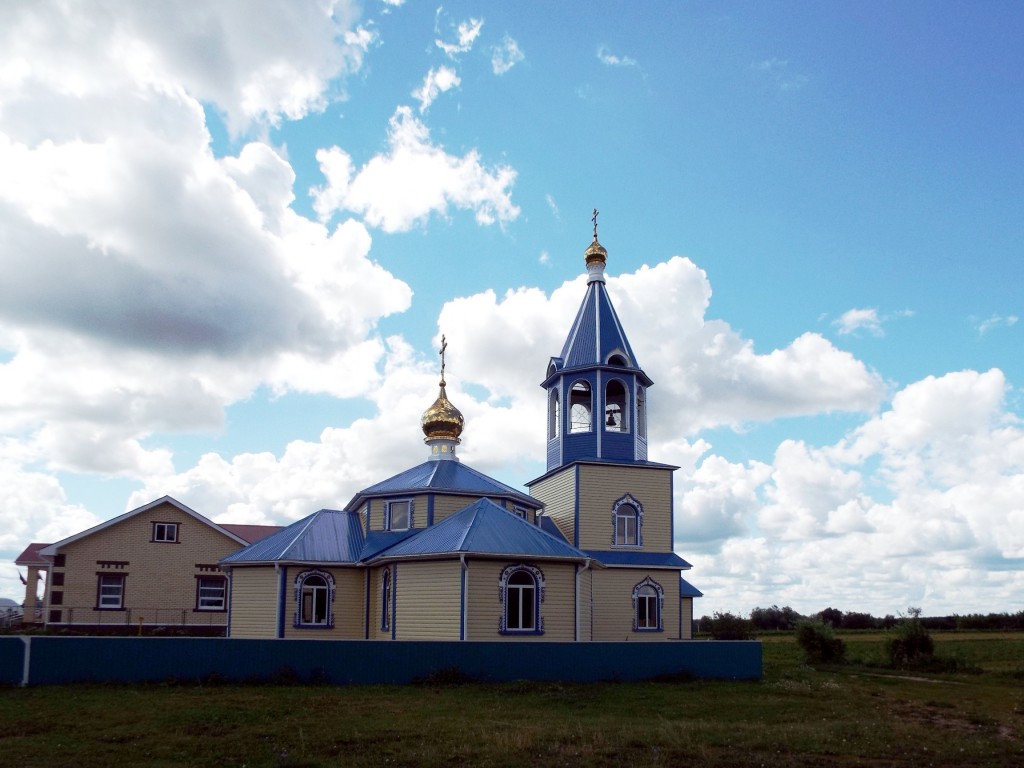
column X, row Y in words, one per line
column 427, row 600
column 348, row 607
column 687, row 618
column 601, row 486
column 613, row 604
column 254, row 602
column 160, row 584
column 585, row 604
column 484, row 607
column 558, row 493
column 446, row 506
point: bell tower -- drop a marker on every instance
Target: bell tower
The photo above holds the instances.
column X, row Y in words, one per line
column 596, row 390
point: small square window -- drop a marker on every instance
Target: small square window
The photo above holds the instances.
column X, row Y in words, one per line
column 399, row 516
column 165, row 532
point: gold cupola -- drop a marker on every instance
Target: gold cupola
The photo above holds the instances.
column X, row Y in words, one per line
column 596, row 256
column 442, row 422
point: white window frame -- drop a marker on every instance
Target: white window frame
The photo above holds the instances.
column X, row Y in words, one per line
column 637, row 515
column 533, row 592
column 113, row 600
column 165, row 533
column 649, row 594
column 301, row 588
column 216, row 593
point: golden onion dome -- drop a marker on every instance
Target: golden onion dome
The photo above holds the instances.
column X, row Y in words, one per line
column 596, row 253
column 442, row 420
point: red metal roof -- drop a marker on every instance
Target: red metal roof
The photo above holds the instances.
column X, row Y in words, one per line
column 31, row 555
column 251, row 533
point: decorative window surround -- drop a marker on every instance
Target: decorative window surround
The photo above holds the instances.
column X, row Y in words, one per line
column 521, row 592
column 627, row 522
column 385, row 600
column 648, row 601
column 314, row 598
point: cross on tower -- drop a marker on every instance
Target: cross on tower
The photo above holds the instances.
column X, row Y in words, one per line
column 594, row 219
column 444, row 346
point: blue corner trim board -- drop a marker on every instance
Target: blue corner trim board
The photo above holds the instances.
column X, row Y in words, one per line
column 282, row 600
column 394, row 599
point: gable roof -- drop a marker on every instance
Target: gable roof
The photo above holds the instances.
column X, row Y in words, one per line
column 32, row 556
column 483, row 529
column 452, row 477
column 326, row 536
column 52, row 549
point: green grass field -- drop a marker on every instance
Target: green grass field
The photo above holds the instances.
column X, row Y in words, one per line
column 853, row 715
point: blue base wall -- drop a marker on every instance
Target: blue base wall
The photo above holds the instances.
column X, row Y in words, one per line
column 59, row 660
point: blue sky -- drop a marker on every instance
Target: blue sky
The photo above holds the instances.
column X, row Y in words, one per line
column 233, row 236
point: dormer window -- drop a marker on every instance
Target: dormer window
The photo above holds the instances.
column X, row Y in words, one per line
column 166, row 533
column 580, row 407
column 618, row 360
column 398, row 515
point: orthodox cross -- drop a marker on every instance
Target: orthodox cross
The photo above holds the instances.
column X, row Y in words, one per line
column 594, row 219
column 444, row 346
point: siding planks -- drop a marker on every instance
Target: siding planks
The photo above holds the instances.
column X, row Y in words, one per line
column 485, row 608
column 427, row 600
column 254, row 602
column 601, row 486
column 613, row 604
column 558, row 493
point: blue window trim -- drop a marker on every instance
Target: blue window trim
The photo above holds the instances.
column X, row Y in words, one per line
column 387, row 513
column 300, row 582
column 538, row 597
column 630, row 500
column 648, row 582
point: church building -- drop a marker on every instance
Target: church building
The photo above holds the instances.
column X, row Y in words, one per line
column 444, row 552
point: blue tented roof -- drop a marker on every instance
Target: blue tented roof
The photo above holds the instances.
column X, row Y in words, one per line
column 483, row 528
column 326, row 536
column 642, row 559
column 597, row 333
column 686, row 589
column 447, row 477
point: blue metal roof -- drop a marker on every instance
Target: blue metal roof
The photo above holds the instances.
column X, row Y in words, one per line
column 597, row 333
column 483, row 528
column 642, row 559
column 548, row 526
column 326, row 536
column 686, row 589
column 446, row 476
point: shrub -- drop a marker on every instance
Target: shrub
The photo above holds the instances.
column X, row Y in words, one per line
column 727, row 626
column 820, row 644
column 910, row 644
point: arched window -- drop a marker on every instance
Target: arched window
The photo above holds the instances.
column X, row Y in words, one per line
column 648, row 598
column 641, row 413
column 580, row 407
column 385, row 600
column 553, row 414
column 615, row 411
column 521, row 590
column 314, row 594
column 627, row 522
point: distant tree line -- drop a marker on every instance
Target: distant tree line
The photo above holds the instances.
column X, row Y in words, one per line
column 728, row 626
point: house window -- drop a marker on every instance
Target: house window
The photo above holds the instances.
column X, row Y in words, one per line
column 553, row 413
column 615, row 407
column 648, row 597
column 165, row 532
column 211, row 593
column 580, row 407
column 385, row 600
column 521, row 590
column 627, row 522
column 521, row 513
column 110, row 591
column 314, row 594
column 398, row 516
